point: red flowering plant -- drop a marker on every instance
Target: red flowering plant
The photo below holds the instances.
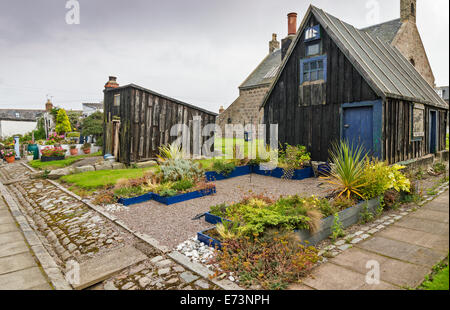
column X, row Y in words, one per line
column 8, row 153
column 53, row 151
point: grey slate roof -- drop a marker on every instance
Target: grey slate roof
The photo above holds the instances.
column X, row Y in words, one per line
column 93, row 105
column 383, row 67
column 386, row 32
column 265, row 72
column 20, row 114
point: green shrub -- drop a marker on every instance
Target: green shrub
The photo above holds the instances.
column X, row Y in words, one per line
column 168, row 192
column 183, row 185
column 223, row 167
column 439, row 168
column 294, row 156
column 73, row 134
column 272, row 261
column 337, row 229
column 178, row 169
column 129, row 192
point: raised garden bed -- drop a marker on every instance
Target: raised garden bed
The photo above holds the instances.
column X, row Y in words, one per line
column 135, row 200
column 299, row 174
column 183, row 197
column 214, row 219
column 208, row 237
column 237, row 172
column 348, row 217
column 52, row 158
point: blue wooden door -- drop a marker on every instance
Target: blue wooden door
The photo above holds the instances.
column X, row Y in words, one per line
column 433, row 132
column 358, row 127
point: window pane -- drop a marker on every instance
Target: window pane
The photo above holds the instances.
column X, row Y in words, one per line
column 306, row 66
column 320, row 77
column 313, row 49
column 314, row 65
column 313, row 75
column 320, row 64
column 305, row 77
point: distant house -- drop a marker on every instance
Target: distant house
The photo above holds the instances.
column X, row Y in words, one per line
column 90, row 108
column 139, row 120
column 443, row 92
column 338, row 82
column 18, row 121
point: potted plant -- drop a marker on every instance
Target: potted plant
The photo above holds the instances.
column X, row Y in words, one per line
column 9, row 155
column 30, row 156
column 86, row 148
column 73, row 150
column 52, row 153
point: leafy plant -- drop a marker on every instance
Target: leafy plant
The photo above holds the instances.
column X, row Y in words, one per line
column 170, row 152
column 86, row 146
column 183, row 185
column 366, row 216
column 223, row 167
column 129, row 192
column 342, row 203
column 228, row 230
column 168, row 192
column 53, row 151
column 178, row 169
column 271, row 261
column 439, row 168
column 337, row 230
column 347, row 170
column 93, row 125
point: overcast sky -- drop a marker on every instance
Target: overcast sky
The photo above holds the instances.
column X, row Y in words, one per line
column 198, row 51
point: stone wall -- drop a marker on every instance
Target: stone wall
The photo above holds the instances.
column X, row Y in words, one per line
column 409, row 43
column 245, row 109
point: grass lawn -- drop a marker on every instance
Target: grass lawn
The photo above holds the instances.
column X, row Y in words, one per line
column 438, row 281
column 56, row 164
column 97, row 179
column 227, row 144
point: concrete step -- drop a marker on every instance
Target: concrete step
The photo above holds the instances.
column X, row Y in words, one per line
column 98, row 269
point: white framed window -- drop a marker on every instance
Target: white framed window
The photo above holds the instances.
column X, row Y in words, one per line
column 117, row 100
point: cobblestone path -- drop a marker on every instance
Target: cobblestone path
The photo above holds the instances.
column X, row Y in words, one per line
column 70, row 230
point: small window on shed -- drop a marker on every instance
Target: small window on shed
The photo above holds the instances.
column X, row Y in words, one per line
column 17, row 115
column 117, row 100
column 313, row 49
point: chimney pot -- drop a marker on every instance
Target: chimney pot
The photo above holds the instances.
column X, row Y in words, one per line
column 112, row 83
column 292, row 24
column 48, row 105
column 274, row 44
column 221, row 109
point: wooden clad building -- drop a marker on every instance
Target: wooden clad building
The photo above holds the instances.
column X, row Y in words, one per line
column 137, row 121
column 338, row 82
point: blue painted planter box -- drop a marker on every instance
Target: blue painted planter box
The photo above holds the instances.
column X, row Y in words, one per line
column 237, row 172
column 209, row 241
column 214, row 219
column 183, row 197
column 135, row 200
column 299, row 174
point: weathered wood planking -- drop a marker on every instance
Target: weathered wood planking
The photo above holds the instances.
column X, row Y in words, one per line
column 146, row 119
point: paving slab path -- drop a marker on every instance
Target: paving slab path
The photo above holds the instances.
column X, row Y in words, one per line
column 19, row 269
column 404, row 253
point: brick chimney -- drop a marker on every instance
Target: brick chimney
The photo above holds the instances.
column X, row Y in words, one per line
column 221, row 109
column 408, row 10
column 292, row 30
column 112, row 83
column 274, row 44
column 48, row 105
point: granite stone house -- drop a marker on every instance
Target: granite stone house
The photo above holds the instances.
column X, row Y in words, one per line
column 339, row 82
column 401, row 33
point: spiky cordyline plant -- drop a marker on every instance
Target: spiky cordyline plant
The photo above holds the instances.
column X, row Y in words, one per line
column 170, row 151
column 348, row 168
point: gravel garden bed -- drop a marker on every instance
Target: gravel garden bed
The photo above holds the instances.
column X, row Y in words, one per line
column 172, row 225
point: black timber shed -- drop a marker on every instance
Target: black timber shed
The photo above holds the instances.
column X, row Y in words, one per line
column 138, row 120
column 338, row 82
